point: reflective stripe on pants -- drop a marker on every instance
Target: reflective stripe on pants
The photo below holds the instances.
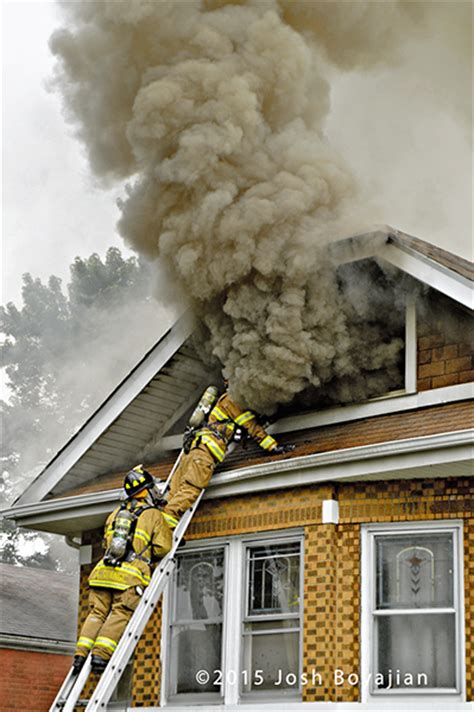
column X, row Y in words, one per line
column 109, row 613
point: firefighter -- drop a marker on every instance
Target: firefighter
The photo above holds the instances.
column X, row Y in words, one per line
column 206, row 448
column 135, row 536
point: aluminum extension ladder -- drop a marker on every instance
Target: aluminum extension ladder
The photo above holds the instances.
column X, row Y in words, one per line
column 67, row 698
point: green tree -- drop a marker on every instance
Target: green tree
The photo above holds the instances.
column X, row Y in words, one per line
column 59, row 352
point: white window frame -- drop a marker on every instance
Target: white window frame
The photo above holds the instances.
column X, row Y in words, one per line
column 404, row 696
column 232, row 631
column 188, row 699
column 411, row 350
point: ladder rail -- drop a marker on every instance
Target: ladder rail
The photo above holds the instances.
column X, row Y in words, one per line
column 74, row 683
column 67, row 689
column 173, row 470
column 77, row 687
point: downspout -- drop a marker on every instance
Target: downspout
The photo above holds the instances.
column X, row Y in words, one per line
column 72, row 542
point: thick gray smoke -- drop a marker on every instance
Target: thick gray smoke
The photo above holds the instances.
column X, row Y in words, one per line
column 215, row 111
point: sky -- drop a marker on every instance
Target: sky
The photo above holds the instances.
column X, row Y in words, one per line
column 53, row 210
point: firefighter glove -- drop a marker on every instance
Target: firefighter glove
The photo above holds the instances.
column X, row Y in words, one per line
column 282, row 449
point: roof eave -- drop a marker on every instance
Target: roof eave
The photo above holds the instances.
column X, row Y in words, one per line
column 108, row 411
column 440, row 455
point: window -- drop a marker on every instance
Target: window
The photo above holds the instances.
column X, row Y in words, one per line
column 234, row 611
column 196, row 621
column 412, row 609
column 272, row 617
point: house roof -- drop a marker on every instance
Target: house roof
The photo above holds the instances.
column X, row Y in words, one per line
column 427, row 435
column 38, row 604
column 443, row 418
column 170, row 377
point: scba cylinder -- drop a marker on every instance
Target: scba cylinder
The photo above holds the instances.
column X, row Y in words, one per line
column 120, row 538
column 204, row 407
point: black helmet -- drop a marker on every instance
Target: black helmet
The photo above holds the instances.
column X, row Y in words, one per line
column 137, row 480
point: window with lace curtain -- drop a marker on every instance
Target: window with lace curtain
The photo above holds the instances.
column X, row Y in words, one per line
column 413, row 605
column 271, row 624
column 234, row 614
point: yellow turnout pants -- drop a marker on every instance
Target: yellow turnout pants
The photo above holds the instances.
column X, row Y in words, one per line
column 192, row 475
column 110, row 611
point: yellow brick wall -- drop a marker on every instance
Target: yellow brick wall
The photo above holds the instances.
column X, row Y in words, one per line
column 332, row 566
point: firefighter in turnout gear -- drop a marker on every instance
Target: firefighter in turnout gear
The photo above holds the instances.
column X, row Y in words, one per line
column 207, row 447
column 136, row 535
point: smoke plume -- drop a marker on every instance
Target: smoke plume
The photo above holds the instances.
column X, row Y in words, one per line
column 215, row 113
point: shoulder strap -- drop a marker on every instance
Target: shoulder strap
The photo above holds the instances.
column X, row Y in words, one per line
column 136, row 513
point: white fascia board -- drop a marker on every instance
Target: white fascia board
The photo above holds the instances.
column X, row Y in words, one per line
column 429, row 272
column 348, row 464
column 376, row 244
column 343, row 465
column 109, row 411
column 359, row 247
column 386, row 405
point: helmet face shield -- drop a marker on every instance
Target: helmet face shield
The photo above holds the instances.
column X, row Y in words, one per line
column 137, row 480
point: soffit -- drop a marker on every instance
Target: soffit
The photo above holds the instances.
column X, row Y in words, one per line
column 147, row 417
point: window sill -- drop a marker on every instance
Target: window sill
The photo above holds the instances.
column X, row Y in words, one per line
column 433, row 704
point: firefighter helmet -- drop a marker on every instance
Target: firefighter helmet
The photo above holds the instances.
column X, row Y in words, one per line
column 136, row 480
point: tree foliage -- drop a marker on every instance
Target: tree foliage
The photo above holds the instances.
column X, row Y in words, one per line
column 61, row 352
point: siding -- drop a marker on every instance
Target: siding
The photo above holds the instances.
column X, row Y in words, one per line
column 442, row 362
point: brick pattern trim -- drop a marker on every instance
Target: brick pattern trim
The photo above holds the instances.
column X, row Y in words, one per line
column 331, row 629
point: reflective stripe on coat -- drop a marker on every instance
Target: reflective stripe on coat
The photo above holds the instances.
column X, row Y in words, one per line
column 223, row 420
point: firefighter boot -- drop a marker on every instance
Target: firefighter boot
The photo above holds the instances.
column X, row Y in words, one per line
column 98, row 664
column 77, row 664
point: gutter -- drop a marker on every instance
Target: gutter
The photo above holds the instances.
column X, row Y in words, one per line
column 38, row 645
column 315, row 468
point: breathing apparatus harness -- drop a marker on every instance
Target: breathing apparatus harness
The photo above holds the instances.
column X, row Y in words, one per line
column 199, row 421
column 121, row 549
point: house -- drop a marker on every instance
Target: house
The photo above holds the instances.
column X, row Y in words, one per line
column 38, row 610
column 341, row 574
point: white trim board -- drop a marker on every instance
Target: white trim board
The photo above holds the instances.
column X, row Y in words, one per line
column 445, row 453
column 378, row 244
column 429, row 272
column 438, row 705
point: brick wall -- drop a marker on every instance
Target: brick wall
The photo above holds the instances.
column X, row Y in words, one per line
column 29, row 681
column 331, row 629
column 442, row 362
